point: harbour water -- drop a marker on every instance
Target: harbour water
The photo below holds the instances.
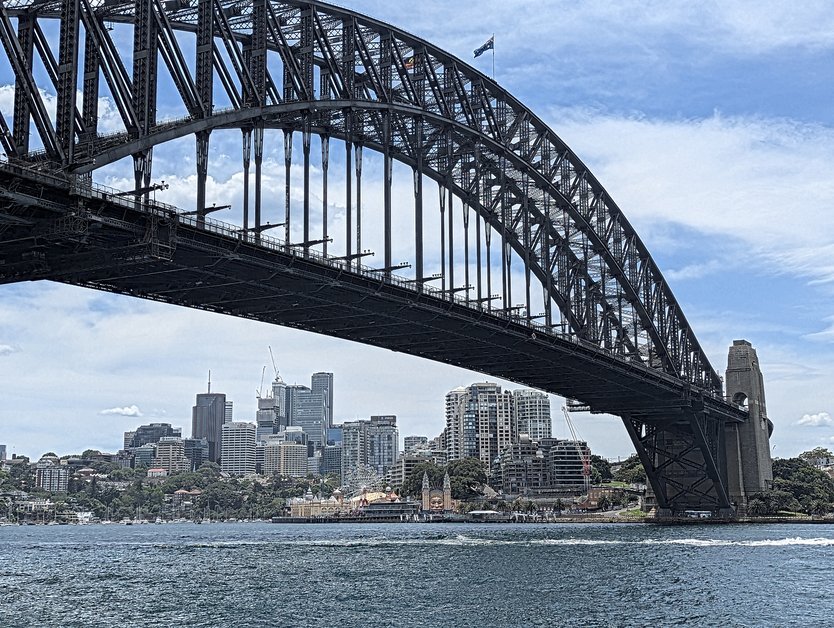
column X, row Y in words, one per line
column 261, row 574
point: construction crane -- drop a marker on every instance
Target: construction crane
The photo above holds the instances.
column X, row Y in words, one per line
column 260, row 390
column 272, row 357
column 584, row 455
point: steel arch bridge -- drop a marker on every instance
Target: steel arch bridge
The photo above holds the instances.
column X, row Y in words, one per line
column 521, row 266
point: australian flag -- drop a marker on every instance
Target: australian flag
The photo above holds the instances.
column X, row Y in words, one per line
column 489, row 45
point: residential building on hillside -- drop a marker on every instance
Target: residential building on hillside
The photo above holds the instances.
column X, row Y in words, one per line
column 170, row 455
column 543, row 467
column 411, row 442
column 456, row 432
column 272, row 455
column 373, row 443
column 480, row 422
column 354, row 446
column 383, row 443
column 533, row 413
column 406, row 463
column 51, row 476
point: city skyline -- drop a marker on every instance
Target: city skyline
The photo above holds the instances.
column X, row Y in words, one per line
column 184, row 427
column 707, row 125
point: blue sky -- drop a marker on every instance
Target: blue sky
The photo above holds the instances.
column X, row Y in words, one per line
column 710, row 124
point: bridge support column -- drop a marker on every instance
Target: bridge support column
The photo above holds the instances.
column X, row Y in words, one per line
column 202, row 173
column 325, row 165
column 749, row 465
column 287, row 189
column 682, row 458
column 259, row 159
column 247, row 158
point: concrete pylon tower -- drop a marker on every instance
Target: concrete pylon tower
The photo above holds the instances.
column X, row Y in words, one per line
column 426, row 492
column 749, row 466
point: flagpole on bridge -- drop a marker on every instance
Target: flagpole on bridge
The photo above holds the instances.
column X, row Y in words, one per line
column 489, row 45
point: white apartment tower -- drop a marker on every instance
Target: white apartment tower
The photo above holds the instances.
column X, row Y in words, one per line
column 354, row 446
column 238, row 448
column 533, row 413
column 480, row 422
column 455, row 407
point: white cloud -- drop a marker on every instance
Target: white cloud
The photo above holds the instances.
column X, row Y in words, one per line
column 126, row 411
column 8, row 349
column 734, row 178
column 821, row 419
column 694, row 271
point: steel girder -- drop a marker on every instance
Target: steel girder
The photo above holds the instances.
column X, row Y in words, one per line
column 413, row 102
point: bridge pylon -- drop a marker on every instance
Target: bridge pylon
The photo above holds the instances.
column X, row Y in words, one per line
column 749, row 465
column 698, row 460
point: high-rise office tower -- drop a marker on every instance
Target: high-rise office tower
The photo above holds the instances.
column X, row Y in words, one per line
column 2, row 453
column 228, row 415
column 322, row 384
column 533, row 413
column 207, row 418
column 265, row 418
column 271, row 416
column 238, row 448
column 144, row 456
column 279, row 398
column 331, row 460
column 307, row 410
column 383, row 443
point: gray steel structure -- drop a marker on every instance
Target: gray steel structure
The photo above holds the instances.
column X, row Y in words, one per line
column 597, row 321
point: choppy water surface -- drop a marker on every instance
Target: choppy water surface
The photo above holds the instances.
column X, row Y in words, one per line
column 260, row 574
